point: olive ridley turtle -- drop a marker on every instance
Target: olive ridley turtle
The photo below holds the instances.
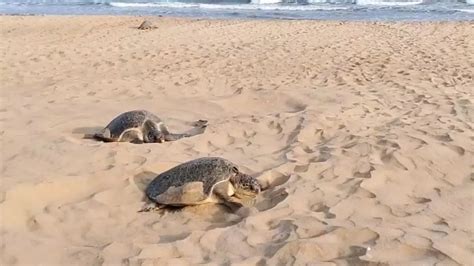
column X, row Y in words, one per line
column 141, row 126
column 203, row 180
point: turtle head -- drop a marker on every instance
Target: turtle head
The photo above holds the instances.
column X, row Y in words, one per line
column 154, row 137
column 245, row 186
column 152, row 134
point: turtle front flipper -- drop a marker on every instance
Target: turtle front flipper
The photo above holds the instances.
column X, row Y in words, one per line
column 192, row 132
column 231, row 203
column 223, row 193
column 132, row 135
column 248, row 201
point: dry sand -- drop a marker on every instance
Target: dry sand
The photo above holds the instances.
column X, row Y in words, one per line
column 362, row 132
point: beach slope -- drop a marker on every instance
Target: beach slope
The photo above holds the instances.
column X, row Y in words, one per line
column 360, row 132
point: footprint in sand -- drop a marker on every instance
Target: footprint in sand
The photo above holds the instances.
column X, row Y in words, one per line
column 363, row 169
column 323, row 208
column 139, row 160
column 129, row 163
column 273, row 125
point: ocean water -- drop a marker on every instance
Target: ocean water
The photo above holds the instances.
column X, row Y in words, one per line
column 368, row 10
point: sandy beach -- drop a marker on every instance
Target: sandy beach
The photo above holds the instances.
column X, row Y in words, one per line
column 361, row 134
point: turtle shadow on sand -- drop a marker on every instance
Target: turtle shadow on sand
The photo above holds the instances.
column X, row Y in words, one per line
column 271, row 195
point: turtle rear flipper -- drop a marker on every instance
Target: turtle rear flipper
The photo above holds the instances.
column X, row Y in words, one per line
column 132, row 135
column 249, row 202
column 224, row 193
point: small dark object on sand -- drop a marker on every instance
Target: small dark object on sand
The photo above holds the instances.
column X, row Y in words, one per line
column 146, row 25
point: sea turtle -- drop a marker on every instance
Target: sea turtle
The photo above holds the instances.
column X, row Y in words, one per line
column 203, row 180
column 141, row 126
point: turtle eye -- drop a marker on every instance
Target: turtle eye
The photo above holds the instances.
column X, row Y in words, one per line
column 256, row 187
column 235, row 170
column 151, row 137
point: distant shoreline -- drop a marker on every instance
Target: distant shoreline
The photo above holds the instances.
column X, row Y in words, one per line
column 186, row 18
column 398, row 11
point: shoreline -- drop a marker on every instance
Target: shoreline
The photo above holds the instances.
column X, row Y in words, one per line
column 190, row 18
column 331, row 12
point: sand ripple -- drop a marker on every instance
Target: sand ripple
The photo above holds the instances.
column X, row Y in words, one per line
column 361, row 134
